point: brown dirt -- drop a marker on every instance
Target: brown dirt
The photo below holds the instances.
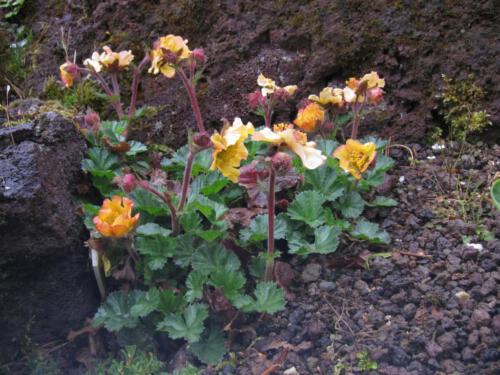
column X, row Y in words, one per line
column 311, row 43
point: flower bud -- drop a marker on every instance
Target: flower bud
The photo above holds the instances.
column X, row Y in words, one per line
column 199, row 56
column 375, row 95
column 281, row 161
column 127, row 182
column 92, row 120
column 256, row 99
column 69, row 73
column 202, row 140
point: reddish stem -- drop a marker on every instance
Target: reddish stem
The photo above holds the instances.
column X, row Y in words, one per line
column 165, row 197
column 194, row 100
column 135, row 84
column 116, row 104
column 270, row 228
column 186, row 178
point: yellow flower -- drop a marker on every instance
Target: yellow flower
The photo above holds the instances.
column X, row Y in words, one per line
column 355, row 157
column 115, row 217
column 295, row 140
column 310, row 117
column 68, row 72
column 109, row 60
column 373, row 80
column 229, row 148
column 168, row 51
column 328, row 96
column 269, row 86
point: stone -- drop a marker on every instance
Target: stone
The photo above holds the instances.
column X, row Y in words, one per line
column 311, row 272
column 326, row 286
column 480, row 317
column 46, row 283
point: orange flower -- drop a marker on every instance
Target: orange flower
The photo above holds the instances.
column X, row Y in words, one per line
column 310, row 117
column 355, row 157
column 115, row 217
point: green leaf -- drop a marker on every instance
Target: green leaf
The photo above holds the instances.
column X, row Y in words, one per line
column 375, row 176
column 257, row 230
column 326, row 241
column 208, row 184
column 381, row 201
column 188, row 326
column 145, row 201
column 116, row 312
column 268, row 299
column 194, row 284
column 152, row 229
column 178, row 161
column 365, row 230
column 257, row 267
column 185, row 247
column 324, row 180
column 212, row 210
column 90, row 212
column 229, row 282
column 113, row 130
column 351, row 205
column 211, row 349
column 212, row 258
column 136, row 148
column 190, row 221
column 495, row 193
column 101, row 163
column 211, row 234
column 379, row 143
column 157, row 250
column 307, row 207
column 169, row 302
column 146, row 304
column 327, row 146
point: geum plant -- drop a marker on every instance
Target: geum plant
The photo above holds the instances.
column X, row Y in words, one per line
column 185, row 232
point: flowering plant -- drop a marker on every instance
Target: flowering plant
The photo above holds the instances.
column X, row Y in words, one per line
column 185, row 231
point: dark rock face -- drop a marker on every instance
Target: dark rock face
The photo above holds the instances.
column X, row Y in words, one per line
column 308, row 43
column 46, row 287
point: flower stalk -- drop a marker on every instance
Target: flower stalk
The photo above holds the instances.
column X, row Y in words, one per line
column 271, row 198
column 187, row 177
column 165, row 197
column 190, row 88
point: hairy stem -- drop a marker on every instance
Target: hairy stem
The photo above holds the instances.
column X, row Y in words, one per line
column 194, row 100
column 165, row 197
column 135, row 85
column 186, row 178
column 270, row 228
column 115, row 103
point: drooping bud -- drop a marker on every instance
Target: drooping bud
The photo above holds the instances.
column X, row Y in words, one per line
column 281, row 161
column 375, row 95
column 202, row 140
column 127, row 182
column 69, row 73
column 256, row 99
column 199, row 56
column 92, row 120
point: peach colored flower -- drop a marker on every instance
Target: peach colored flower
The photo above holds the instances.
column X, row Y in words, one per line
column 295, row 140
column 269, row 86
column 115, row 217
column 310, row 117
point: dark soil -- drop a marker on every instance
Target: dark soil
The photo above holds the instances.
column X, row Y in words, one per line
column 309, row 43
column 431, row 307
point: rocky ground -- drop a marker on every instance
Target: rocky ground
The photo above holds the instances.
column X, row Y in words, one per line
column 429, row 306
